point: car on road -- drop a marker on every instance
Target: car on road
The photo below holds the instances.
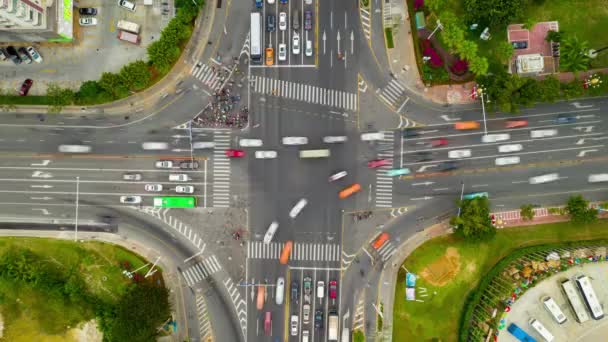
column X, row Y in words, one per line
column 308, row 50
column 294, row 325
column 308, row 2
column 349, row 190
column 279, row 291
column 333, row 289
column 153, row 187
column 270, row 23
column 232, row 153
column 271, row 2
column 155, row 146
column 128, row 5
column 372, row 164
column 269, row 56
column 295, row 140
column 184, row 189
column 410, row 132
column 188, row 165
column 203, row 144
column 550, row 177
column 295, row 20
column 423, row 157
column 459, row 154
column 25, row 57
column 132, row 176
column 507, row 161
column 320, row 289
column 87, row 11
column 306, row 313
column 542, row 133
column 337, row 175
column 250, row 142
column 380, row 240
column 130, row 199
column 282, row 52
column 307, row 20
column 332, row 139
column 34, row 54
column 510, row 148
column 282, row 21
column 307, row 285
column 294, row 291
column 295, row 44
column 447, row 166
column 439, row 142
column 88, row 21
column 284, row 2
column 267, row 323
column 259, row 4
column 25, row 87
column 466, row 125
column 398, row 172
column 565, row 118
column 489, row 138
column 319, row 319
column 295, row 211
column 600, row 177
column 516, row 123
column 272, row 229
column 74, row 148
column 178, row 177
column 371, row 136
column 265, row 154
column 163, row 164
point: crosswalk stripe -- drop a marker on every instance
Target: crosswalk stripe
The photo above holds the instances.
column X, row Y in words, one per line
column 300, row 251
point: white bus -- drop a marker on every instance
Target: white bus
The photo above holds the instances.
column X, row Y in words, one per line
column 541, row 330
column 554, row 310
column 256, row 38
column 584, row 284
column 575, row 302
column 345, row 335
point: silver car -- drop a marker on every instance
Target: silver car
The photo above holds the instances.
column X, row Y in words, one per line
column 153, row 187
column 184, row 189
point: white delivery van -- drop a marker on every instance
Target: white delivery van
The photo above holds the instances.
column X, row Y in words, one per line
column 507, row 161
column 600, row 177
column 314, row 153
column 128, row 26
column 542, row 133
column 74, row 148
column 495, row 137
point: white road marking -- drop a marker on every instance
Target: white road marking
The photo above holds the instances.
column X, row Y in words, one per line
column 40, row 174
column 440, row 189
column 44, row 163
column 447, row 118
column 520, row 182
column 44, row 211
column 510, row 117
column 584, row 152
column 423, row 183
column 45, row 186
column 425, row 198
column 97, row 170
column 479, row 185
column 423, row 168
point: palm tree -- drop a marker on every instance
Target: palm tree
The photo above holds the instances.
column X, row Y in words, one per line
column 574, row 55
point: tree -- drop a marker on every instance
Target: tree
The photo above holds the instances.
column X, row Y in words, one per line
column 113, row 84
column 136, row 75
column 467, row 49
column 504, row 51
column 493, row 13
column 474, row 222
column 572, row 89
column 58, row 97
column 550, row 89
column 358, row 336
column 162, row 54
column 573, row 55
column 579, row 210
column 554, row 36
column 479, row 66
column 436, row 5
column 530, row 92
column 527, row 212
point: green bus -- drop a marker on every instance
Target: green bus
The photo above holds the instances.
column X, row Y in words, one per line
column 475, row 195
column 175, row 202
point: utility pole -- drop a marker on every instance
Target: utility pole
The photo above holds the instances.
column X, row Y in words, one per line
column 76, row 220
column 461, row 195
column 483, row 110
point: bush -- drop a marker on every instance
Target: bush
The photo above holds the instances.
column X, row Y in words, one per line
column 388, row 32
column 459, row 67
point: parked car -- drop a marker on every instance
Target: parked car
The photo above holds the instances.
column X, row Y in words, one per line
column 184, row 189
column 87, row 11
column 13, row 55
column 128, row 5
column 282, row 52
column 88, row 21
column 130, row 199
column 24, row 55
column 25, row 87
column 3, row 55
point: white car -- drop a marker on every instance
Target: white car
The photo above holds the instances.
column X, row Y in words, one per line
column 294, row 325
column 250, row 142
column 320, row 289
column 282, row 21
column 510, row 148
column 295, row 45
column 270, row 232
column 279, row 291
column 265, row 154
column 306, row 313
column 507, row 161
column 282, row 52
column 74, row 148
column 155, row 146
column 128, row 5
column 372, row 136
column 203, row 144
column 132, row 176
column 178, row 177
column 298, row 208
column 34, row 54
column 308, row 50
column 551, row 177
column 600, row 177
column 184, row 189
column 271, row 2
column 334, row 139
column 153, row 187
column 459, row 154
column 88, row 21
column 541, row 133
column 337, row 176
column 295, row 140
column 130, row 199
column 163, row 164
column 488, row 138
column 308, row 2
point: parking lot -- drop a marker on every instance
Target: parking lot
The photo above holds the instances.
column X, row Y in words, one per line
column 94, row 50
column 530, row 306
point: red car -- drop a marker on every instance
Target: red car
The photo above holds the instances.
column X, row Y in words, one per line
column 232, row 153
column 515, row 123
column 439, row 142
column 333, row 289
column 25, row 87
column 377, row 163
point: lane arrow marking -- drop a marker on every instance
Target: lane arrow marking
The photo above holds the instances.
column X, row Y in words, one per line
column 583, row 152
column 423, row 183
column 44, row 163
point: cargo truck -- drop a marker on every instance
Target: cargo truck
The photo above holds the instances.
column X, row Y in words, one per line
column 128, row 37
column 128, row 26
column 332, row 331
column 520, row 334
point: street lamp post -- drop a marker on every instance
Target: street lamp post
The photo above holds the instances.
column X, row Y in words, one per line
column 461, row 195
column 76, row 220
column 480, row 91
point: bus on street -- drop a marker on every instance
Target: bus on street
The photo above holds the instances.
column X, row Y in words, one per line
column 256, row 39
column 175, row 202
column 475, row 195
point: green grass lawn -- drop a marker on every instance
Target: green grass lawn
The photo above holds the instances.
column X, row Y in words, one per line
column 439, row 315
column 33, row 315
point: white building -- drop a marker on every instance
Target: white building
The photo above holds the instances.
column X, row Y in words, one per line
column 36, row 20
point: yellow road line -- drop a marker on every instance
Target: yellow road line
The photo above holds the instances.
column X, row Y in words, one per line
column 286, row 311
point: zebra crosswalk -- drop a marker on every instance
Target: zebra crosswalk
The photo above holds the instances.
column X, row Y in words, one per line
column 200, row 271
column 205, row 329
column 239, row 303
column 365, row 22
column 300, row 251
column 393, row 93
column 221, row 169
column 304, row 92
column 384, row 183
column 387, row 250
column 359, row 318
column 208, row 75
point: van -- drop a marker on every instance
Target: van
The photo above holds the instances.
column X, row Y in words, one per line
column 128, row 37
column 600, row 177
column 74, row 148
column 280, row 290
column 554, row 310
column 372, row 136
column 128, row 26
column 488, row 138
column 541, row 133
column 261, row 294
column 270, row 232
column 155, row 146
column 295, row 21
column 544, row 178
column 203, row 144
column 507, row 161
column 348, row 191
column 178, row 177
column 464, row 125
column 314, row 153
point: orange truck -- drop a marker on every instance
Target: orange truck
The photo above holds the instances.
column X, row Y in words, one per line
column 465, row 125
column 286, row 252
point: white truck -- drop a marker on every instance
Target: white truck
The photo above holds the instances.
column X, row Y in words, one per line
column 332, row 331
column 128, row 26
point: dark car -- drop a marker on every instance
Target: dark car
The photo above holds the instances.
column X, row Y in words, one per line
column 565, row 118
column 294, row 291
column 308, row 20
column 423, row 156
column 270, row 23
column 188, row 165
column 319, row 319
column 12, row 54
column 448, row 166
column 25, row 57
column 25, row 87
column 87, row 11
column 410, row 133
column 520, row 45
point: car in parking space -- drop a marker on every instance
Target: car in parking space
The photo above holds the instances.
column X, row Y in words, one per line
column 282, row 21
column 153, row 187
column 337, row 175
column 550, row 177
column 489, row 138
column 87, row 11
column 25, row 57
column 295, row 140
column 516, row 123
column 295, row 211
column 308, row 50
column 320, row 289
column 565, row 118
column 132, row 176
column 372, row 164
column 184, row 189
column 25, row 87
column 509, row 148
column 188, row 165
column 88, row 21
column 233, row 153
column 130, row 199
column 294, row 291
column 447, row 166
column 269, row 56
column 178, row 177
column 542, row 133
column 13, row 55
column 282, row 52
column 250, row 142
column 265, row 154
column 459, row 154
column 306, row 313
column 333, row 289
column 295, row 44
column 398, row 172
column 507, row 161
column 331, row 139
column 270, row 23
column 294, row 325
column 128, row 5
column 439, row 142
column 163, row 164
column 319, row 319
column 307, row 20
column 34, row 54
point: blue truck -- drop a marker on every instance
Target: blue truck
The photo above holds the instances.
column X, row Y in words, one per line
column 259, row 3
column 520, row 334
